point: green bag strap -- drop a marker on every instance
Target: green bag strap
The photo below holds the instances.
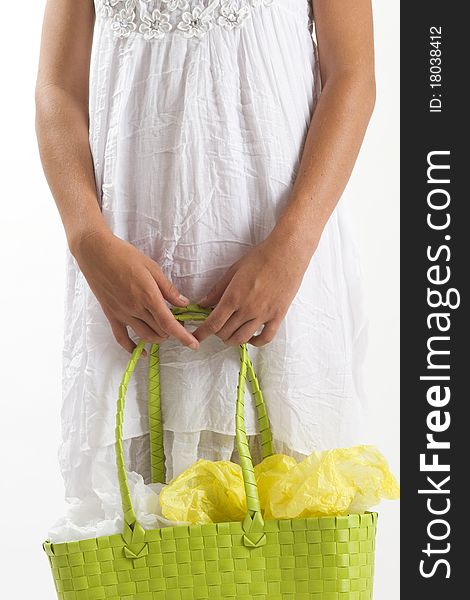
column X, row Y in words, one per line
column 193, row 312
column 253, row 524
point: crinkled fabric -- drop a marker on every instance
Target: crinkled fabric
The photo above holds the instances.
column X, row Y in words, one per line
column 196, row 143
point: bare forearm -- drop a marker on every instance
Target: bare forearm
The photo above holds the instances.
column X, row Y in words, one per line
column 276, row 266
column 62, row 130
column 334, row 138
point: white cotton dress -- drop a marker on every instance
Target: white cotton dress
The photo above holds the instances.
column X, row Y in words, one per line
column 198, row 117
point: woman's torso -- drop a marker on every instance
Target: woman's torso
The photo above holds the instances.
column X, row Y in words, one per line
column 196, row 133
column 197, row 139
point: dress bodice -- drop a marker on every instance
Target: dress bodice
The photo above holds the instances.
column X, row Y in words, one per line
column 155, row 19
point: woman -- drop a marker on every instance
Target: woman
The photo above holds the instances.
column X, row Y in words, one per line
column 205, row 165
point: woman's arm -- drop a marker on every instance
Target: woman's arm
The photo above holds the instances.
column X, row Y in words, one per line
column 258, row 289
column 130, row 286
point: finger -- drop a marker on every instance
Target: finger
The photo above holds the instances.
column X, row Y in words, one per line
column 170, row 326
column 148, row 318
column 233, row 323
column 166, row 287
column 166, row 322
column 216, row 293
column 122, row 337
column 266, row 336
column 145, row 332
column 243, row 333
column 215, row 321
column 174, row 328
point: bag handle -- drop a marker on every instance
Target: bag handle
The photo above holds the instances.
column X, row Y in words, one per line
column 253, row 524
column 192, row 312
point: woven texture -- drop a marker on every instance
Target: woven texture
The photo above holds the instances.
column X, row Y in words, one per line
column 315, row 559
column 329, row 558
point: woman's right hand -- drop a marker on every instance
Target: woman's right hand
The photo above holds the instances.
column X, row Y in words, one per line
column 131, row 290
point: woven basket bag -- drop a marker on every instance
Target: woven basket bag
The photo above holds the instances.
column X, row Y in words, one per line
column 328, row 558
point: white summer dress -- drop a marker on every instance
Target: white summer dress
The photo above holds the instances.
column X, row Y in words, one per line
column 198, row 117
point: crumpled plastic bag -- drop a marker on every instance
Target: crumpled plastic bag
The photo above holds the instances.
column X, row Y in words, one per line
column 207, row 492
column 100, row 513
column 335, row 482
column 332, row 482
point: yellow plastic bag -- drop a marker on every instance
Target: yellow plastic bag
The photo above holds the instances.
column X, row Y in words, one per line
column 332, row 482
column 270, row 472
column 207, row 492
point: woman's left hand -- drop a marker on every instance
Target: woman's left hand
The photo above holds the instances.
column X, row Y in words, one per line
column 257, row 290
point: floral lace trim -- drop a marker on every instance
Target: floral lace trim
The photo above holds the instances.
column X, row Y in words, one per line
column 193, row 19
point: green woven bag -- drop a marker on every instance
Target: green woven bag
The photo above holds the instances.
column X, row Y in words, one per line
column 329, row 558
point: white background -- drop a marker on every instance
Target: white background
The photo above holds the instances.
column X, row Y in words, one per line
column 32, row 271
